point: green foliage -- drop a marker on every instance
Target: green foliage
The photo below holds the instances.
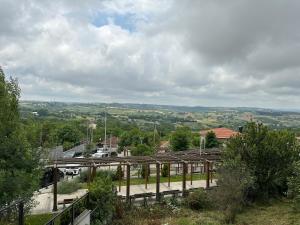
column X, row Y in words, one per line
column 69, row 135
column 196, row 140
column 234, row 182
column 142, row 150
column 67, row 187
column 181, row 139
column 19, row 162
column 119, row 173
column 165, row 170
column 67, row 145
column 198, row 200
column 294, row 186
column 103, row 196
column 211, row 140
column 267, row 154
column 37, row 219
column 143, row 171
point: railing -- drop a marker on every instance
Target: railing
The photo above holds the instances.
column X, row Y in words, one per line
column 69, row 214
column 12, row 214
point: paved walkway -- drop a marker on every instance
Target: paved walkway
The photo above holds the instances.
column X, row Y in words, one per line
column 138, row 189
column 44, row 198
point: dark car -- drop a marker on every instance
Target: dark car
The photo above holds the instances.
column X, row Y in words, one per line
column 48, row 176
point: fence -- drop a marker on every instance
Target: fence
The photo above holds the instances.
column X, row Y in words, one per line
column 12, row 214
column 69, row 214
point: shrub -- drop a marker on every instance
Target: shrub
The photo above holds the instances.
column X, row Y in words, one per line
column 294, row 186
column 103, row 198
column 143, row 171
column 234, row 182
column 67, row 187
column 119, row 173
column 165, row 170
column 198, row 200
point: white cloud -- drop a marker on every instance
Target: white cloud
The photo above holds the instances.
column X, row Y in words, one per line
column 233, row 53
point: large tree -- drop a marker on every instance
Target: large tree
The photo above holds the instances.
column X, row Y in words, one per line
column 19, row 162
column 181, row 139
column 211, row 140
column 268, row 155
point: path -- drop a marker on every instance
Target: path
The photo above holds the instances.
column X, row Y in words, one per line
column 44, row 198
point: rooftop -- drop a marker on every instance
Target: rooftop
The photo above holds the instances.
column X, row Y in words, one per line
column 221, row 133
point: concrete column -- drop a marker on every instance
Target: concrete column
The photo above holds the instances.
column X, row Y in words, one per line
column 157, row 181
column 128, row 183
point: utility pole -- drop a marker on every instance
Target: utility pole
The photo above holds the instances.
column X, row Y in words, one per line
column 105, row 130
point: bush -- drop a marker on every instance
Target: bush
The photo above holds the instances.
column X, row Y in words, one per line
column 143, row 171
column 83, row 177
column 67, row 187
column 198, row 200
column 119, row 173
column 294, row 186
column 103, row 198
column 234, row 182
column 165, row 170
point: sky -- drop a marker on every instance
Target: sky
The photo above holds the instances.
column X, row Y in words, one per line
column 175, row 52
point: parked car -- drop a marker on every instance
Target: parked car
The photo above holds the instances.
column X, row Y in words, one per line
column 48, row 175
column 72, row 171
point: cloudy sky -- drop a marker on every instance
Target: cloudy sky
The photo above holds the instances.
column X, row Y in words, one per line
column 181, row 52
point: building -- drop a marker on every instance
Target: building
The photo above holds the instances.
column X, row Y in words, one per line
column 111, row 142
column 222, row 134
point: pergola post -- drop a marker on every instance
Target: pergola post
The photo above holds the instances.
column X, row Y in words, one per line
column 21, row 213
column 211, row 172
column 89, row 175
column 120, row 177
column 184, row 171
column 55, row 188
column 128, row 183
column 157, row 181
column 207, row 174
column 146, row 175
column 94, row 173
column 169, row 174
column 191, row 173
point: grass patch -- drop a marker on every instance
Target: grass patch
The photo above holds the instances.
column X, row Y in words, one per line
column 37, row 219
column 67, row 187
column 277, row 212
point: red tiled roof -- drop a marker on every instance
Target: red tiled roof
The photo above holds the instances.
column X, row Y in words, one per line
column 221, row 133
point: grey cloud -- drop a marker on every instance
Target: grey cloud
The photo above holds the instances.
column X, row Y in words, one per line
column 199, row 52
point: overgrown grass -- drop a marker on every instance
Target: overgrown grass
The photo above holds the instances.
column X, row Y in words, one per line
column 277, row 212
column 67, row 187
column 37, row 219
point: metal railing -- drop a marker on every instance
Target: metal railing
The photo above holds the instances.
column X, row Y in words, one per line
column 69, row 214
column 13, row 214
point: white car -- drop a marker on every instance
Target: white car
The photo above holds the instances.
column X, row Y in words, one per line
column 100, row 155
column 72, row 171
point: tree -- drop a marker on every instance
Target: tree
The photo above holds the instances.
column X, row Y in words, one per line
column 211, row 140
column 103, row 196
column 142, row 150
column 268, row 155
column 234, row 182
column 181, row 139
column 19, row 162
column 69, row 136
column 294, row 186
column 165, row 170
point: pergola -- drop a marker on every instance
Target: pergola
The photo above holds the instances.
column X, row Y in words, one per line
column 184, row 158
